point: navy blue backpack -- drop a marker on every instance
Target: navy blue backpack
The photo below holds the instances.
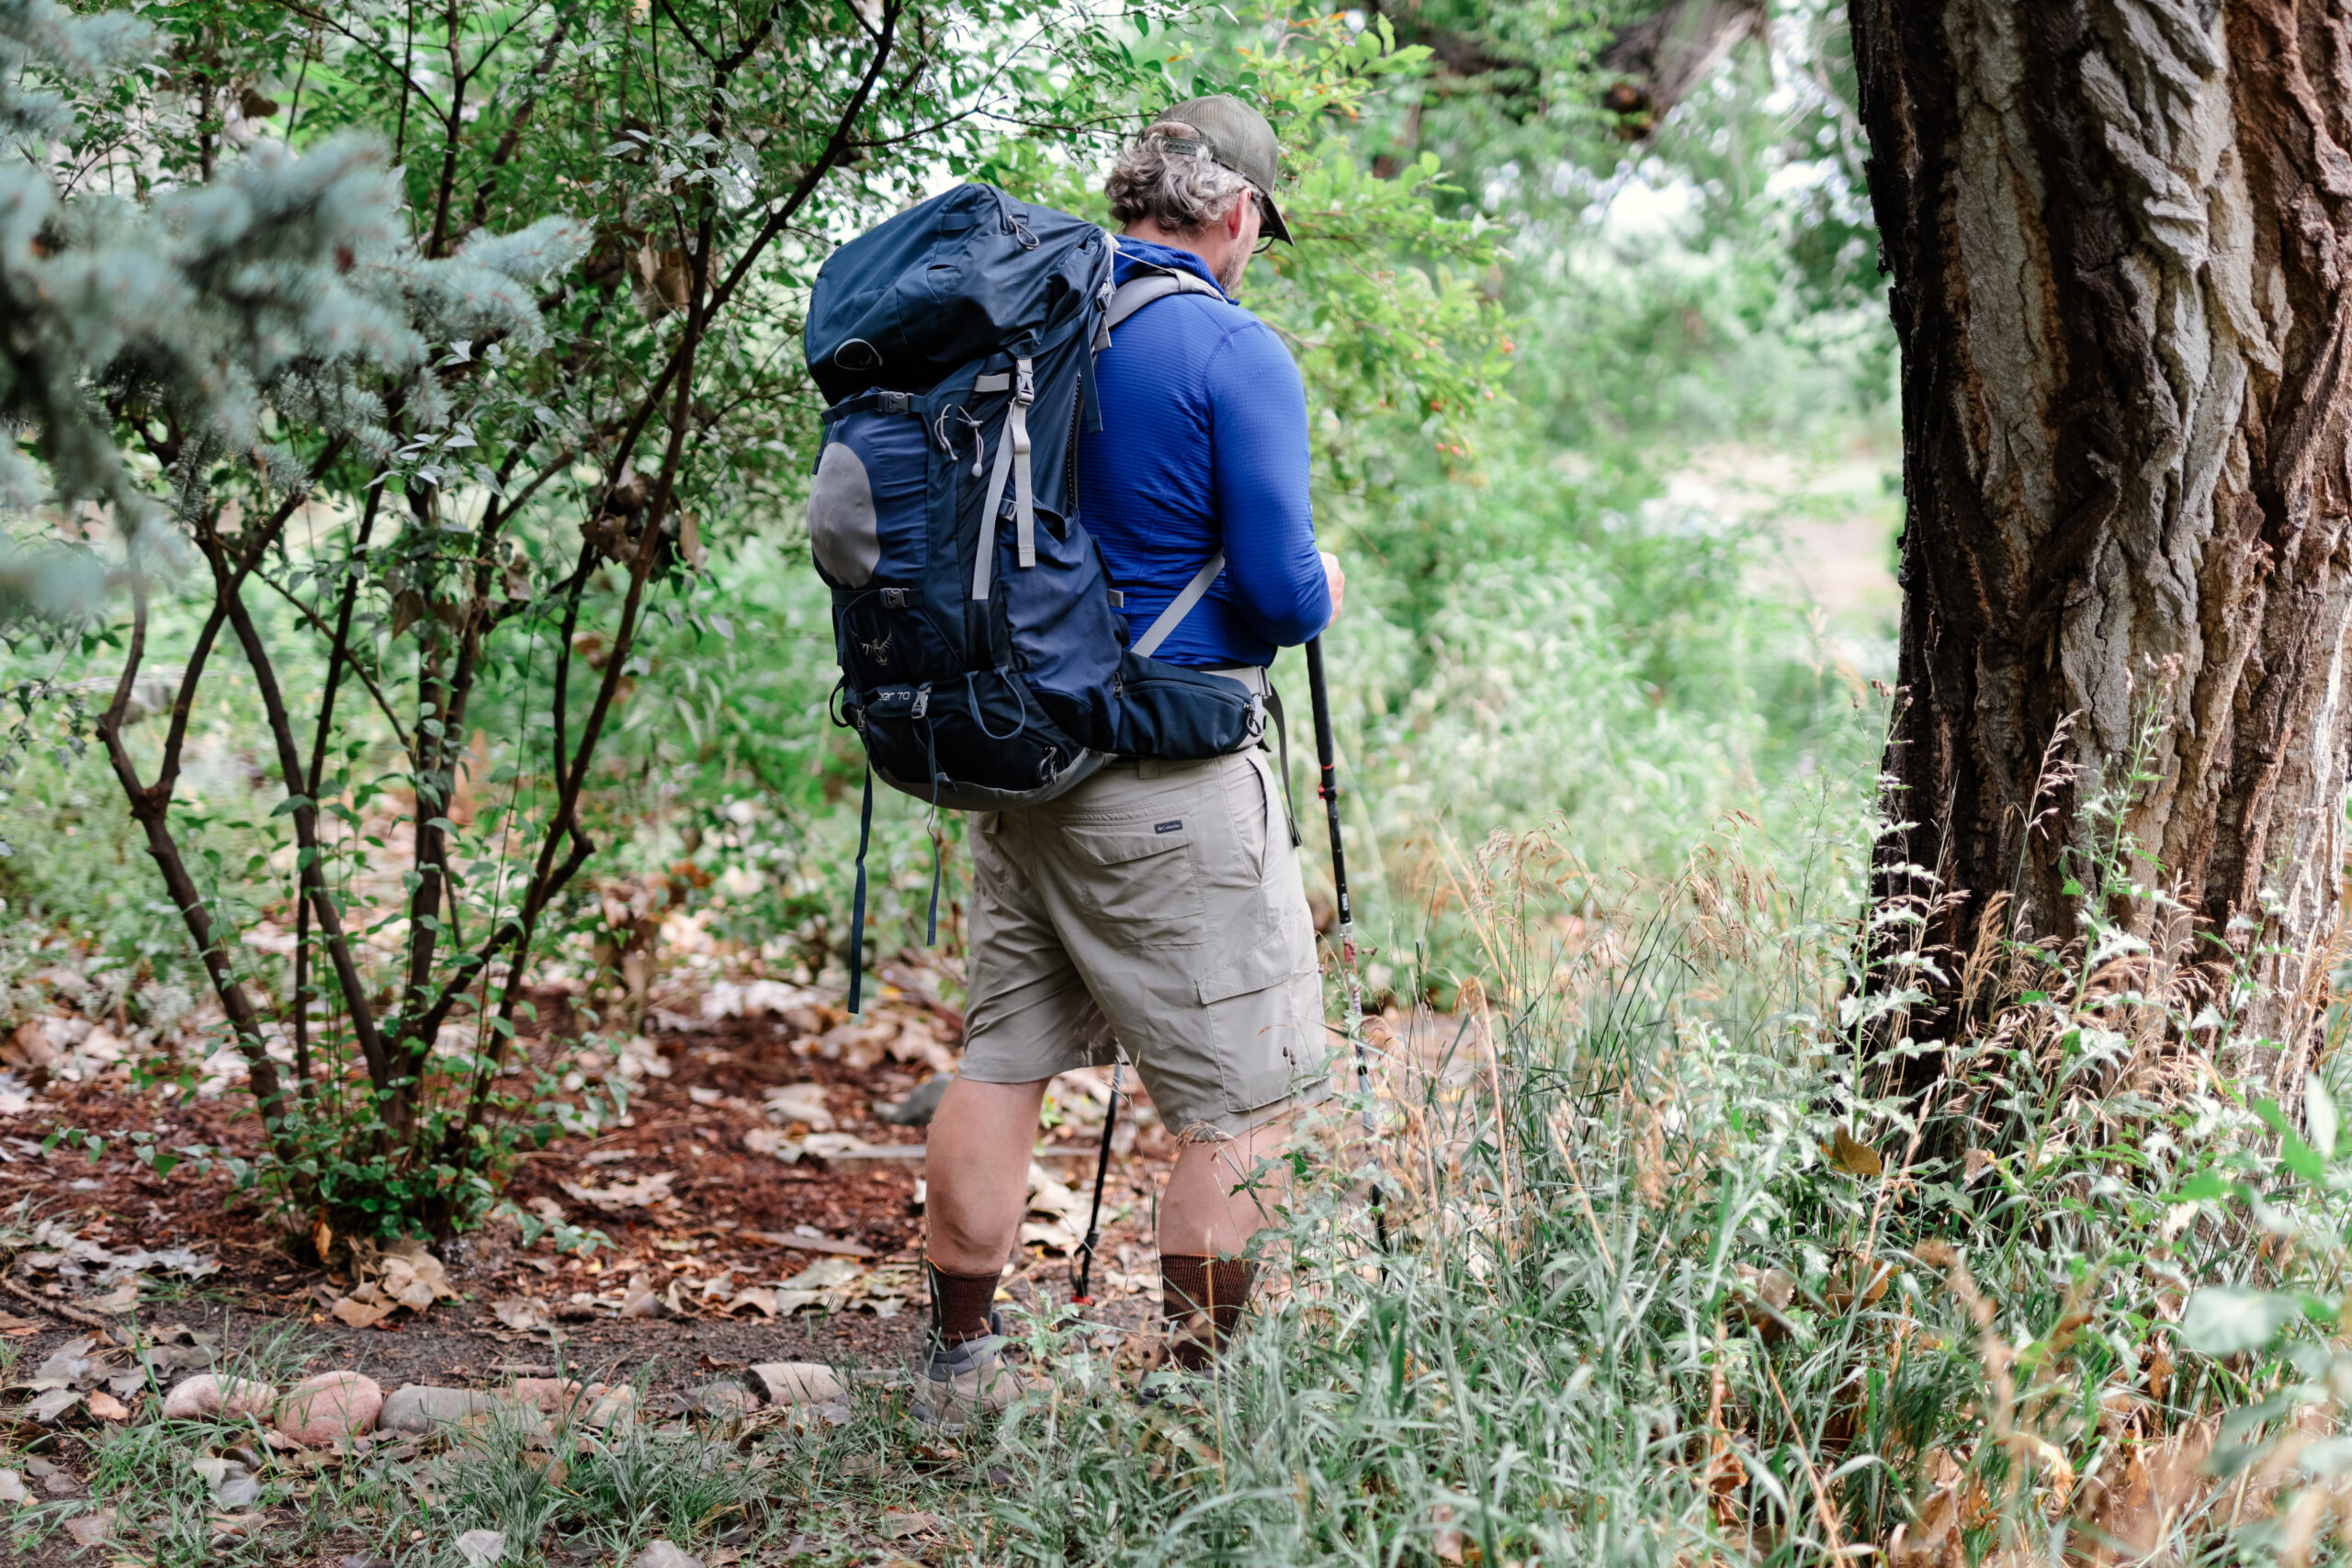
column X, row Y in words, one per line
column 986, row 663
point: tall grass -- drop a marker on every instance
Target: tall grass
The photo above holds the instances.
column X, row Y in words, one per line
column 1673, row 1279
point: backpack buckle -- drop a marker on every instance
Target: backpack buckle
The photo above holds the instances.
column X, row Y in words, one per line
column 1024, row 384
column 895, row 402
column 922, row 700
column 894, row 598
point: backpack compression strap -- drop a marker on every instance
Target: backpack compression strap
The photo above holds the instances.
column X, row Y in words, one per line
column 1012, row 460
column 1013, row 445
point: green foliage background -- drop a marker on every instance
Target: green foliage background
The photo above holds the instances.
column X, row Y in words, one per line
column 1515, row 327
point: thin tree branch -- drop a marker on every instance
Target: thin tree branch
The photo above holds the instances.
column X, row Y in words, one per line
column 310, row 871
column 338, row 652
column 520, row 120
column 339, row 639
column 686, row 33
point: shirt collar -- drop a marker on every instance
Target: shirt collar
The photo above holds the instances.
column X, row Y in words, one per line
column 1132, row 251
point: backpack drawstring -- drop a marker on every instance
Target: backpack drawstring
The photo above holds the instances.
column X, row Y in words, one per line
column 972, row 701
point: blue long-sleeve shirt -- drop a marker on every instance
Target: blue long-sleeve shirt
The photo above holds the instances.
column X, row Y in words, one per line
column 1203, row 444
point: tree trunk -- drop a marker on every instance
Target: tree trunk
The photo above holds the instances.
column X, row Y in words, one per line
column 2119, row 232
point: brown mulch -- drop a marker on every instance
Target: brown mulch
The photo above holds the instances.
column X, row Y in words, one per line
column 720, row 1193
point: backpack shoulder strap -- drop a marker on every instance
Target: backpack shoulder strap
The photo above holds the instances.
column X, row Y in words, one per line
column 1158, row 284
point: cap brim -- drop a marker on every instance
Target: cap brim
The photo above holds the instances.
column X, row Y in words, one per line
column 1274, row 224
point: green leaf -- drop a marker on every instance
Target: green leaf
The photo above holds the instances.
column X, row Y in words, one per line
column 292, row 803
column 2226, row 1319
column 2319, row 1114
column 2204, row 1187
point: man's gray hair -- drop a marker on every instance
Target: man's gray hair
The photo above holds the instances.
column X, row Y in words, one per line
column 1182, row 191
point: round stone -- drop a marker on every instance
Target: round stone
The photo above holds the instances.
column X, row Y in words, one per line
column 331, row 1408
column 206, row 1397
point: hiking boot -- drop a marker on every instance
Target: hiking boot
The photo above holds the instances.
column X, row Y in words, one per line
column 956, row 1382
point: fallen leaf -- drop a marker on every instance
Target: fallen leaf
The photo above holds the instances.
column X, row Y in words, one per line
column 833, row 1146
column 51, row 1407
column 28, row 1047
column 1853, row 1156
column 899, row 1524
column 12, row 1487
column 1053, row 1236
column 801, row 1102
column 642, row 1193
column 825, row 1273
column 365, row 1307
column 106, row 1407
column 520, row 1314
column 1048, row 1196
column 1445, row 1539
column 122, row 1298
column 757, row 1296
column 481, row 1548
column 89, row 1530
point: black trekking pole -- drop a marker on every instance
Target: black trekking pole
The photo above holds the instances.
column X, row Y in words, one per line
column 1102, row 1175
column 1320, row 694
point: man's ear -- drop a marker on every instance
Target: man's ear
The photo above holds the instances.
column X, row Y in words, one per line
column 1235, row 215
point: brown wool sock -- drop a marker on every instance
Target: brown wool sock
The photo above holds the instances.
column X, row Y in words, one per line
column 1201, row 1300
column 961, row 1303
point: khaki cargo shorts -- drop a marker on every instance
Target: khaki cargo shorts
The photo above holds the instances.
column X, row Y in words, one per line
column 1157, row 905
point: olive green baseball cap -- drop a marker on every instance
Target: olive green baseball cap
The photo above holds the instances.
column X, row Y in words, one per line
column 1237, row 137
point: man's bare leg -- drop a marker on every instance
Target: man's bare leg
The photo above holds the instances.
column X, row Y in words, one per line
column 1200, row 1214
column 1217, row 1199
column 976, row 1173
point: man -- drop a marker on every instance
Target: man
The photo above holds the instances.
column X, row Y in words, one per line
column 1158, row 904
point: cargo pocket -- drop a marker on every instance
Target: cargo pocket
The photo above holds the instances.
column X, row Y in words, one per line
column 1139, row 877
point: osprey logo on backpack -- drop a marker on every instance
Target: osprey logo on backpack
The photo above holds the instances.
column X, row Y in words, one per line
column 985, row 663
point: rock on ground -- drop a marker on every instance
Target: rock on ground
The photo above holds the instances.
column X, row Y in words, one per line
column 204, row 1397
column 799, row 1383
column 724, row 1400
column 663, row 1554
column 609, row 1406
column 333, row 1407
column 415, row 1409
column 548, row 1396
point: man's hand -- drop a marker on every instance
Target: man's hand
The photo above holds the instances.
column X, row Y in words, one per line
column 1335, row 579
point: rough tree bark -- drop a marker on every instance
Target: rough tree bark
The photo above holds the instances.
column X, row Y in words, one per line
column 2118, row 234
